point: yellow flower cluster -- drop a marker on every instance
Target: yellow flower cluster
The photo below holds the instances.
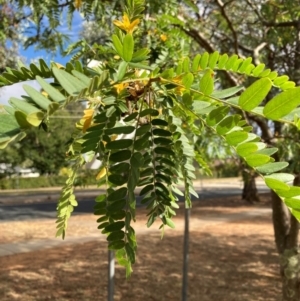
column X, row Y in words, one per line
column 77, row 4
column 163, row 37
column 120, row 87
column 87, row 119
column 126, row 25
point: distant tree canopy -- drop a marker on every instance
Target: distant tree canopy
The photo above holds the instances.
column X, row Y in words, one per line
column 46, row 152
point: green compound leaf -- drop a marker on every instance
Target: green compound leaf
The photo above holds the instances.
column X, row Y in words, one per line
column 116, row 206
column 83, row 78
column 271, row 167
column 35, row 118
column 117, row 179
column 268, row 151
column 170, row 223
column 162, row 133
column 42, row 101
column 64, row 79
column 213, row 59
column 23, row 106
column 119, row 144
column 118, row 235
column 282, row 104
column 117, row 194
column 292, row 192
column 255, row 94
column 226, row 92
column 236, row 137
column 52, row 92
column 116, row 245
column 46, row 72
column 140, row 55
column 122, row 70
column 120, row 156
column 151, row 112
column 280, row 80
column 207, row 82
column 278, row 181
column 162, row 141
column 227, row 124
column 117, row 226
column 164, row 151
column 204, row 60
column 128, row 46
column 143, row 129
column 131, row 117
column 245, row 64
column 247, row 148
column 120, row 168
column 130, row 252
column 187, row 80
column 231, row 62
column 120, row 130
column 21, row 119
column 258, row 69
column 118, row 45
column 254, row 160
column 195, row 63
column 294, row 204
column 146, row 189
column 216, row 115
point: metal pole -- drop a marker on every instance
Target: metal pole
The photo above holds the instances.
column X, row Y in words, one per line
column 185, row 255
column 111, row 276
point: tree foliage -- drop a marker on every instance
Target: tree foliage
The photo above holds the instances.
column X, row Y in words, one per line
column 43, row 151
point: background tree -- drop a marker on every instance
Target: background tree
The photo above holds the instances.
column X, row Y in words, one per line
column 44, row 151
column 9, row 37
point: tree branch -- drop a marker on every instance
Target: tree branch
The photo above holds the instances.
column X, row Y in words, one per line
column 229, row 23
column 266, row 134
column 256, row 52
column 292, row 23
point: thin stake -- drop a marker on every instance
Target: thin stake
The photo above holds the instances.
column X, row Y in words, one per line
column 111, row 276
column 185, row 255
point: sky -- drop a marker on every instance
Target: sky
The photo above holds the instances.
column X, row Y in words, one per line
column 30, row 54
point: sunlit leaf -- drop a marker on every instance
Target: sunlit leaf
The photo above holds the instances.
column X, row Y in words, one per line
column 128, row 46
column 282, row 104
column 207, row 82
column 255, row 94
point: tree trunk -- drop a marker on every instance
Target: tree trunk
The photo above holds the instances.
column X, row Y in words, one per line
column 250, row 193
column 286, row 230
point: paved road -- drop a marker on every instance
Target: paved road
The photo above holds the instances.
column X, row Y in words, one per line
column 22, row 207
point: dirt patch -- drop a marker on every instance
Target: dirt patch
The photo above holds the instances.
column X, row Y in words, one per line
column 85, row 224
column 230, row 261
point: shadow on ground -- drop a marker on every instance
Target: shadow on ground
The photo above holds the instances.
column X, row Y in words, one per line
column 227, row 263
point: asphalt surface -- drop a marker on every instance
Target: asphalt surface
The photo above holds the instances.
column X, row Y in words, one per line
column 25, row 206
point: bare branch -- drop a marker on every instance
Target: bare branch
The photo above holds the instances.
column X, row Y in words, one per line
column 293, row 23
column 266, row 134
column 196, row 35
column 229, row 23
column 256, row 52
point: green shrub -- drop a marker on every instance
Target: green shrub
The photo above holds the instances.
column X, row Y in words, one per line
column 87, row 177
column 27, row 183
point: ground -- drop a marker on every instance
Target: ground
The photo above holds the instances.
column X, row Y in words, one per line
column 230, row 260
